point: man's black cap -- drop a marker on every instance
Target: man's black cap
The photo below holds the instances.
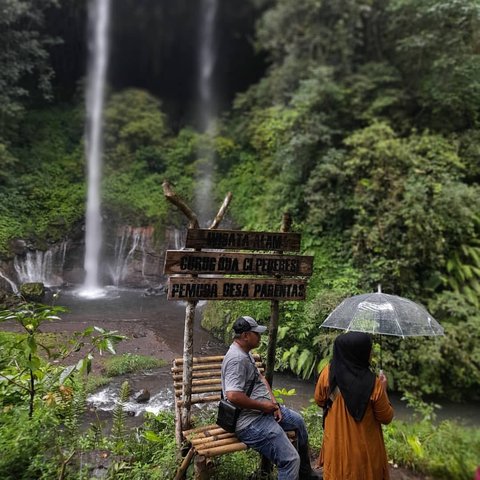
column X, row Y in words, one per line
column 247, row 324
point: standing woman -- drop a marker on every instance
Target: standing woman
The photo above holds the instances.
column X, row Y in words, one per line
column 355, row 404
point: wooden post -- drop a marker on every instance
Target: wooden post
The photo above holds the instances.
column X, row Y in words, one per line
column 201, row 468
column 184, row 421
column 274, row 316
column 266, row 466
column 180, row 475
column 187, row 364
column 178, row 422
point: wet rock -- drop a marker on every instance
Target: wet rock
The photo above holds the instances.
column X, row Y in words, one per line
column 5, row 287
column 140, row 334
column 97, row 462
column 143, row 396
column 34, row 291
column 154, row 291
column 8, row 300
column 18, row 246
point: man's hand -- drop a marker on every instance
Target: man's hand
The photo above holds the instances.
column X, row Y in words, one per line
column 243, row 401
column 269, row 407
column 278, row 414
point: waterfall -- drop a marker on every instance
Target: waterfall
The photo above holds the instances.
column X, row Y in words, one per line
column 40, row 266
column 129, row 241
column 207, row 59
column 207, row 108
column 12, row 284
column 179, row 238
column 99, row 13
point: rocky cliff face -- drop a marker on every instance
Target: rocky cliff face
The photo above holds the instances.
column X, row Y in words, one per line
column 131, row 257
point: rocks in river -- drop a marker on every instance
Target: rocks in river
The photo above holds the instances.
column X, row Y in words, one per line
column 143, row 396
column 154, row 291
column 34, row 291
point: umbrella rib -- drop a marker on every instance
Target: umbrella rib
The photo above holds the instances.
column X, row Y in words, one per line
column 396, row 321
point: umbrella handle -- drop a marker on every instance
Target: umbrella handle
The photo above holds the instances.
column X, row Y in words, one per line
column 381, row 352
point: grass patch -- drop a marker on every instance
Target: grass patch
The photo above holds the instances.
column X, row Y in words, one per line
column 94, row 382
column 130, row 363
column 121, row 365
column 445, row 450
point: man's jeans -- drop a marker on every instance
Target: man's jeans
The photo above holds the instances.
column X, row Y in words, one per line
column 267, row 436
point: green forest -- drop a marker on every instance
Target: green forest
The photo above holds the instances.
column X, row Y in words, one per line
column 360, row 118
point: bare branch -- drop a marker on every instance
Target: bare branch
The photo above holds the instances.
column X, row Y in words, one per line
column 221, row 212
column 172, row 197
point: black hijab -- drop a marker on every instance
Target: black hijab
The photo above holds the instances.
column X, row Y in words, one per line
column 350, row 371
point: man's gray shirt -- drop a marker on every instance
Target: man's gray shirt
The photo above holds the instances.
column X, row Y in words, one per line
column 238, row 371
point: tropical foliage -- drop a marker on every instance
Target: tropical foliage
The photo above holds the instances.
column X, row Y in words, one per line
column 364, row 130
column 364, row 125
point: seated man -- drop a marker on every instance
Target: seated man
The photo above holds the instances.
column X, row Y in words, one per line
column 262, row 421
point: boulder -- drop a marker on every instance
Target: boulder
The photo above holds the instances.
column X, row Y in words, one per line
column 142, row 396
column 18, row 246
column 34, row 291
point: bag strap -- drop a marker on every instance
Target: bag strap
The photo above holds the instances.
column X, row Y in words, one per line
column 250, row 388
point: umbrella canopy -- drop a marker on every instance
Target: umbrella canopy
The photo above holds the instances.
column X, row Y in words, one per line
column 382, row 314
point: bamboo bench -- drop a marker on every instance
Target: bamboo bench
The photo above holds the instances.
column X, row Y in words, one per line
column 208, row 440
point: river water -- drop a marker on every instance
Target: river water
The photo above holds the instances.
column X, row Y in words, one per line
column 134, row 309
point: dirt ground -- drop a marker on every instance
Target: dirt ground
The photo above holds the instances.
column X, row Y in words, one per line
column 397, row 473
column 140, row 340
column 145, row 341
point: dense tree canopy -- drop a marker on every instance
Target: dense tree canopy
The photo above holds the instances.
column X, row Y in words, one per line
column 24, row 58
column 365, row 127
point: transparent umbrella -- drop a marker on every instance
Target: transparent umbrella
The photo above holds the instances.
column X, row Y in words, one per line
column 382, row 314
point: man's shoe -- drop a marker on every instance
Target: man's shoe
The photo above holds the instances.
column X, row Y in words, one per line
column 306, row 471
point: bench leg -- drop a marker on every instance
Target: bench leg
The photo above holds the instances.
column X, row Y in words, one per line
column 202, row 467
column 180, row 475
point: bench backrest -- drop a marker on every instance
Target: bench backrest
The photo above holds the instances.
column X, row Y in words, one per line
column 206, row 378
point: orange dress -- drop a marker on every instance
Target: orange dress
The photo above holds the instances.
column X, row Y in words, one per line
column 354, row 450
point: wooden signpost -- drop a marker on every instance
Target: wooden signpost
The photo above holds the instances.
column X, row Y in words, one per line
column 238, row 265
column 222, row 263
column 195, row 275
column 238, row 240
column 235, row 289
column 232, row 265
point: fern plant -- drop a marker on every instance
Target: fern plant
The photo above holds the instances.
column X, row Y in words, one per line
column 119, row 415
column 463, row 272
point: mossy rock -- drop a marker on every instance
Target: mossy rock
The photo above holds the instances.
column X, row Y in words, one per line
column 34, row 291
column 8, row 300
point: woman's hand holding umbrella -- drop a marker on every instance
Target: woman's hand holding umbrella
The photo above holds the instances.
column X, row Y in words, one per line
column 383, row 380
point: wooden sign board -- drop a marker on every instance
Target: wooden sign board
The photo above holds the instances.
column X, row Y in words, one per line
column 188, row 262
column 237, row 240
column 182, row 288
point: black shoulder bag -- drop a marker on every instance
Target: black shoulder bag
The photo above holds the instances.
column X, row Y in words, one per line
column 228, row 413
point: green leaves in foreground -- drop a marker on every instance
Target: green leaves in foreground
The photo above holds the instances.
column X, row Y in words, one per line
column 27, row 370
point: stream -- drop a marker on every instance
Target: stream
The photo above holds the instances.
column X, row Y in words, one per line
column 139, row 312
